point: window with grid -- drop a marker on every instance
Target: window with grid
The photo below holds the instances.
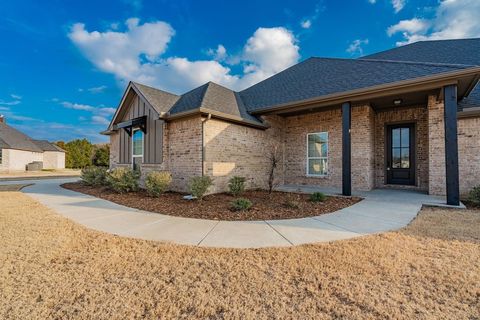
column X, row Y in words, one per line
column 317, row 154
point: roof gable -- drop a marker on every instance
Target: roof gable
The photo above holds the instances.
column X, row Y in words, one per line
column 11, row 138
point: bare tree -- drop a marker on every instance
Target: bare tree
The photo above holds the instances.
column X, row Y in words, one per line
column 273, row 160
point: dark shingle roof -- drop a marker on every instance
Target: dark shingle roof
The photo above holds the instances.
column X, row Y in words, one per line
column 461, row 51
column 317, row 77
column 213, row 97
column 11, row 138
column 47, row 146
column 162, row 101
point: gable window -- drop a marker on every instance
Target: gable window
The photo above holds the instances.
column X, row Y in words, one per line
column 317, row 154
column 137, row 148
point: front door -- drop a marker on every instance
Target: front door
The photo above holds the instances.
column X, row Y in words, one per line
column 401, row 154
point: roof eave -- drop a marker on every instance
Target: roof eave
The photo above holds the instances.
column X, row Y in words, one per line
column 422, row 83
column 215, row 114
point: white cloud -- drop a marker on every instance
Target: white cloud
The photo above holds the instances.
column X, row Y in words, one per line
column 398, row 5
column 218, row 54
column 410, row 26
column 355, row 48
column 453, row 19
column 306, row 24
column 132, row 55
column 16, row 100
column 94, row 90
column 100, row 120
column 99, row 115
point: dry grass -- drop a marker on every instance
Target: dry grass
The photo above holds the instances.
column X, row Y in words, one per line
column 53, row 268
column 13, row 187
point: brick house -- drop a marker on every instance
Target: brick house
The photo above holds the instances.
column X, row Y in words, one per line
column 408, row 117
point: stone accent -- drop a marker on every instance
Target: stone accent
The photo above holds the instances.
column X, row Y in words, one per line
column 417, row 115
column 436, row 147
column 469, row 153
column 236, row 150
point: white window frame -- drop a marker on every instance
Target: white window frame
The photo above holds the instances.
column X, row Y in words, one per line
column 143, row 146
column 308, row 174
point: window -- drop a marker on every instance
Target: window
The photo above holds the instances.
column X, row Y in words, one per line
column 317, row 154
column 401, row 148
column 137, row 148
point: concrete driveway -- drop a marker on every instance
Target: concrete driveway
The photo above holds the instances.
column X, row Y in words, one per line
column 380, row 211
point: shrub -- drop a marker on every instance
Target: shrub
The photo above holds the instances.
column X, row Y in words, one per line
column 236, row 185
column 293, row 202
column 123, row 180
column 157, row 182
column 241, row 204
column 474, row 195
column 318, row 197
column 94, row 176
column 199, row 186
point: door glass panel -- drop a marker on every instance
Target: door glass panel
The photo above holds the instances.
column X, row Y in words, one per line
column 396, row 160
column 396, row 138
column 405, row 158
column 405, row 137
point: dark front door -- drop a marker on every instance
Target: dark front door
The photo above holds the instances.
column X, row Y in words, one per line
column 401, row 154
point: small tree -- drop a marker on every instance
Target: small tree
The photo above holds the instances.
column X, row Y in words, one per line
column 78, row 153
column 101, row 156
column 273, row 160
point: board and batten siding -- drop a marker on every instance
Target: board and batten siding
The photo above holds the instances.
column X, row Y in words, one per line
column 153, row 139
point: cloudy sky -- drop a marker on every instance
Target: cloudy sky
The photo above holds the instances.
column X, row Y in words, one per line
column 64, row 64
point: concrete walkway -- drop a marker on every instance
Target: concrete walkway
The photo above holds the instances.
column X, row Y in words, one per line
column 380, row 211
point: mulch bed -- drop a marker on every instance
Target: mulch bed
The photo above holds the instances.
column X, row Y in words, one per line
column 278, row 205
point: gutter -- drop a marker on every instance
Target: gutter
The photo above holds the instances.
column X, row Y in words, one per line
column 469, row 113
column 356, row 95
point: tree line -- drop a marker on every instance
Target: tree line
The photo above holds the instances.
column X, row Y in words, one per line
column 80, row 153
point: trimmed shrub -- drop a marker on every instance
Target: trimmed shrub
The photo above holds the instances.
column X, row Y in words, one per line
column 474, row 195
column 123, row 180
column 157, row 182
column 94, row 176
column 318, row 197
column 199, row 186
column 241, row 204
column 236, row 185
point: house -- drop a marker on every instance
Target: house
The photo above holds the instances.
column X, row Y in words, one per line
column 408, row 117
column 17, row 150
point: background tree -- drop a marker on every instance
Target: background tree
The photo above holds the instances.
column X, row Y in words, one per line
column 78, row 153
column 101, row 155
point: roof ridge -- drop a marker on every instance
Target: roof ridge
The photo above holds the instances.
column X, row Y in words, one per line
column 452, row 65
column 144, row 85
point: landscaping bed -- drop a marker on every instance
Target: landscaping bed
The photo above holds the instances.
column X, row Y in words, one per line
column 277, row 205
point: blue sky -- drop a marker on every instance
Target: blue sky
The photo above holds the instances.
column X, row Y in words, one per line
column 64, row 64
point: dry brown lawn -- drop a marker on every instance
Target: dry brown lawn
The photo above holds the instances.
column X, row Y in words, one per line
column 53, row 268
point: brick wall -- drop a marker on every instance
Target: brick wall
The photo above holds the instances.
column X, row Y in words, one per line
column 236, row 150
column 417, row 115
column 436, row 147
column 362, row 133
column 184, row 148
column 469, row 153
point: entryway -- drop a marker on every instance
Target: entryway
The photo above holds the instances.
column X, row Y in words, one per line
column 400, row 146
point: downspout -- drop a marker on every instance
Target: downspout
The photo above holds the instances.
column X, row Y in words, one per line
column 203, row 142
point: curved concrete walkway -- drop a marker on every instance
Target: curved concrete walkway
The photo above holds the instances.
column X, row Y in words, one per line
column 380, row 211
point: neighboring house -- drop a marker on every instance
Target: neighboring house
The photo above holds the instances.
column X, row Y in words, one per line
column 374, row 122
column 17, row 150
